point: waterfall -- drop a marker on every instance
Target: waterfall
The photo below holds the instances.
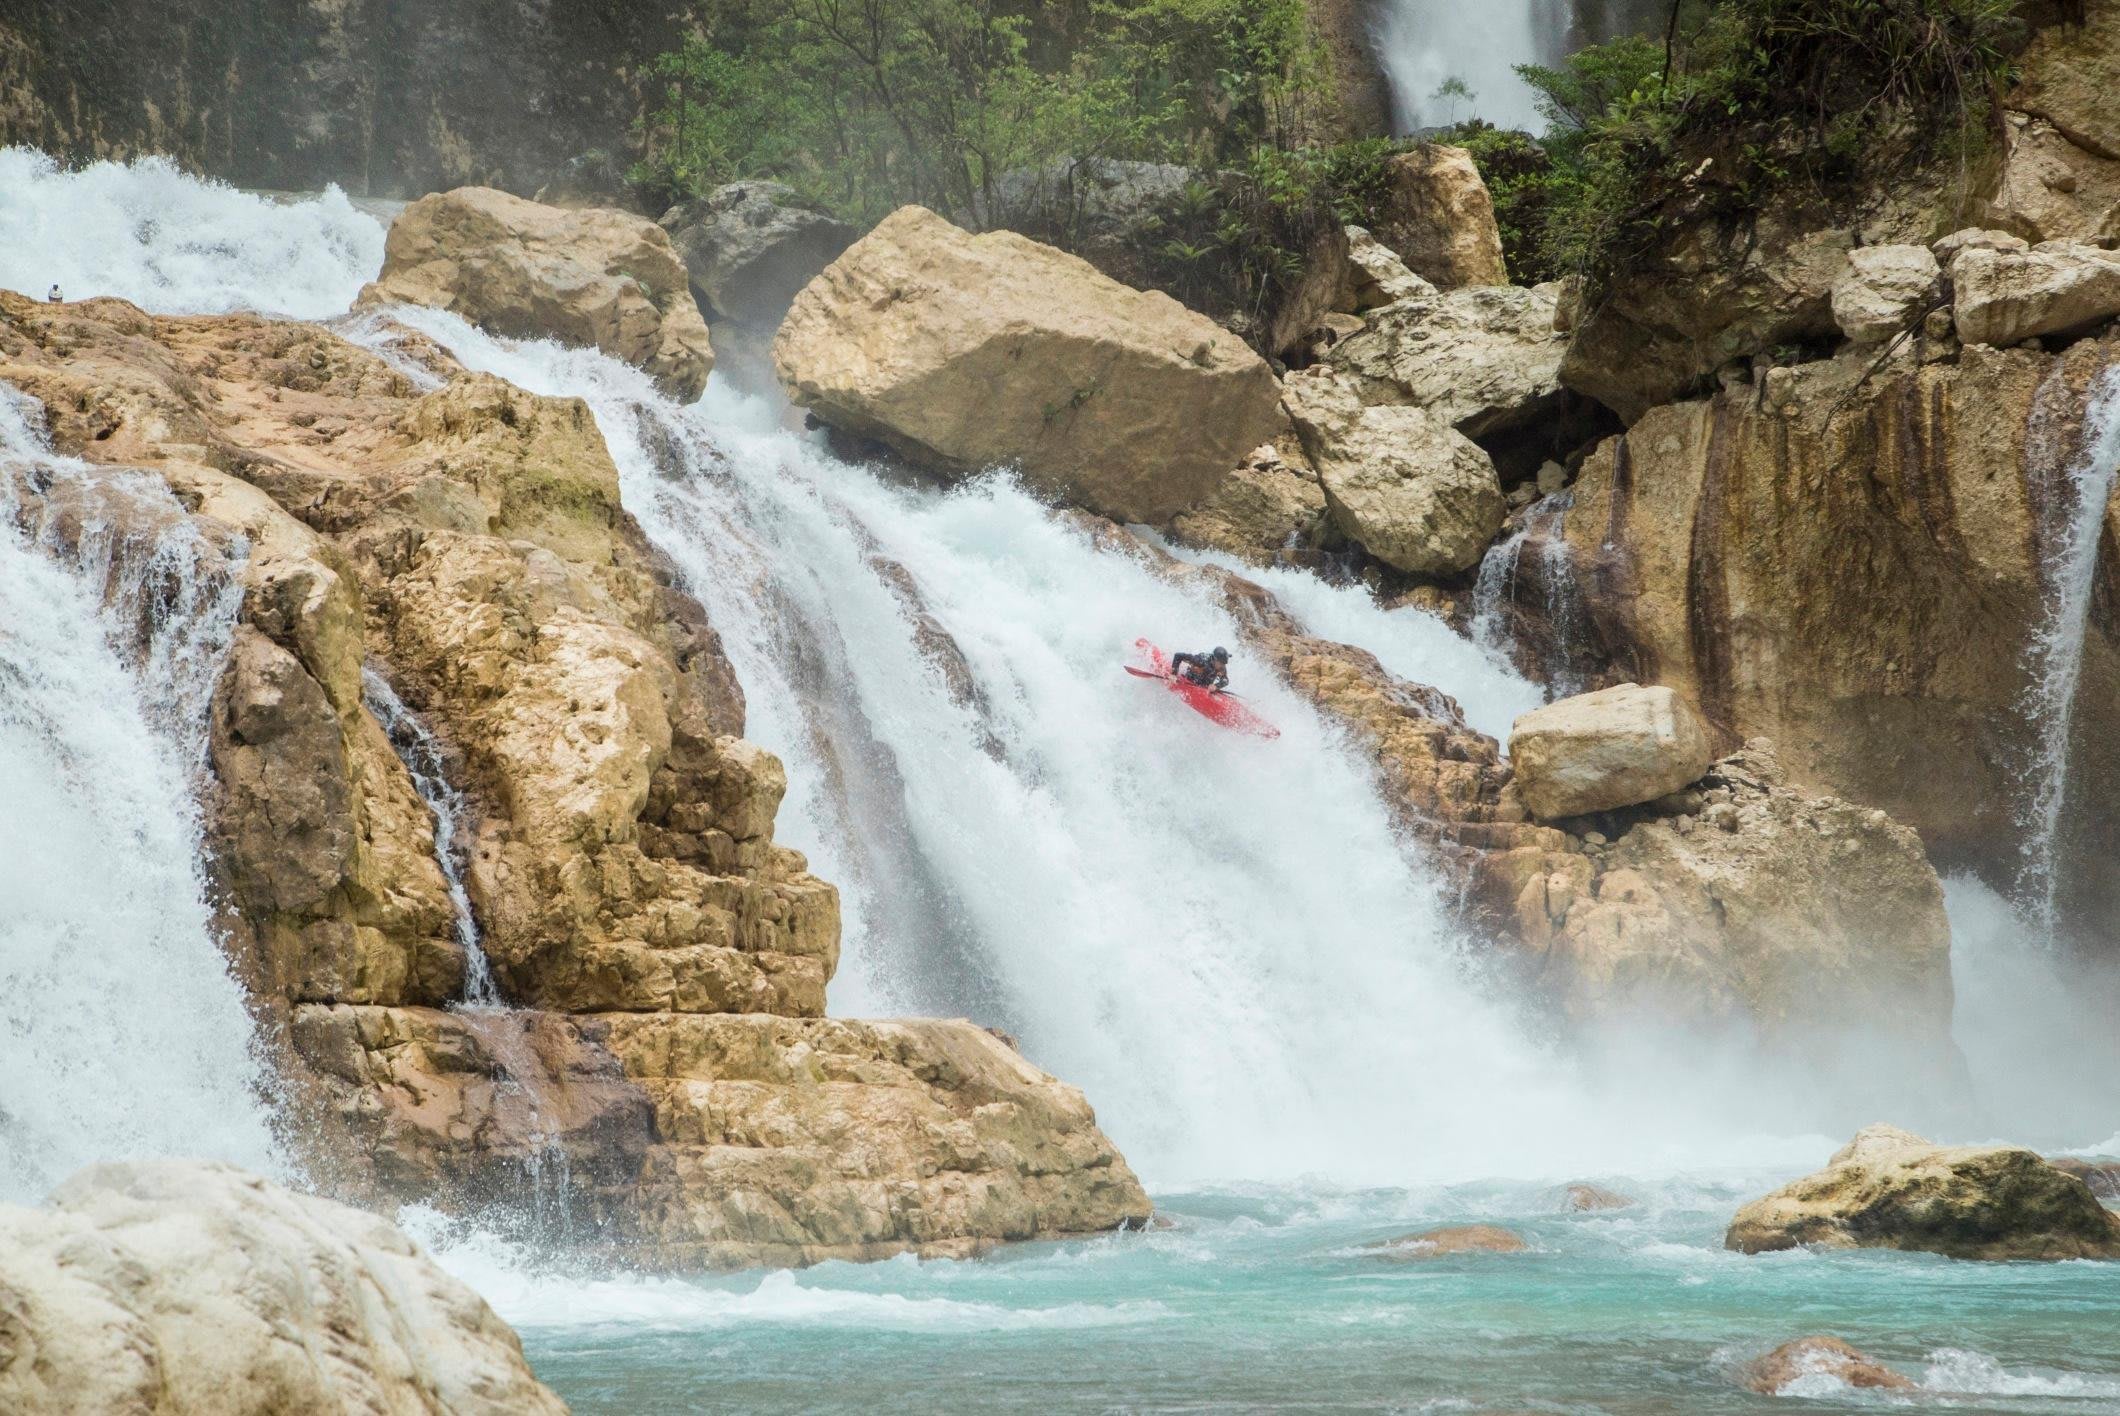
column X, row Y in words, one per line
column 421, row 752
column 2071, row 529
column 121, row 1032
column 1496, row 593
column 1426, row 43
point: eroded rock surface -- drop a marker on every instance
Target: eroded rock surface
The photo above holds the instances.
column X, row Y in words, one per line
column 1890, row 1189
column 592, row 276
column 967, row 352
column 1481, row 360
column 1438, row 217
column 1619, row 746
column 189, row 1286
column 1820, row 1366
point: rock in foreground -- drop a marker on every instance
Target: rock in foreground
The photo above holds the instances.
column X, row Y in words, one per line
column 595, row 277
column 965, row 352
column 1820, row 1366
column 178, row 1286
column 1596, row 751
column 1889, row 1189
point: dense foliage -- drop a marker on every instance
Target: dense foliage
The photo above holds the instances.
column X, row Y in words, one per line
column 1743, row 104
column 865, row 104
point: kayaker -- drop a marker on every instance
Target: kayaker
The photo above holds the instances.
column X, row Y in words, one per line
column 1209, row 671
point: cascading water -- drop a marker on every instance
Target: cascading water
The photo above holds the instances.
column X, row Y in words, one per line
column 1424, row 44
column 2071, row 533
column 121, row 1031
column 1497, row 590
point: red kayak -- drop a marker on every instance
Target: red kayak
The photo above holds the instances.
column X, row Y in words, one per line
column 1223, row 708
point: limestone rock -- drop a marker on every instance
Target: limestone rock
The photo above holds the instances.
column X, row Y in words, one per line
column 1888, row 1189
column 1380, row 277
column 1882, row 290
column 2003, row 298
column 470, row 1110
column 1820, row 1366
column 786, row 1141
column 2068, row 75
column 1616, row 747
column 750, row 247
column 2101, row 1173
column 1439, row 218
column 966, row 352
column 1269, row 506
column 2046, row 188
column 596, row 277
column 1481, row 360
column 1417, row 494
column 1809, row 917
column 1449, row 1240
column 1975, row 238
column 1720, row 545
column 185, row 1286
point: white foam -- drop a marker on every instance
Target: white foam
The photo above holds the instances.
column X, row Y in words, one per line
column 837, row 1296
column 173, row 244
column 1958, row 1371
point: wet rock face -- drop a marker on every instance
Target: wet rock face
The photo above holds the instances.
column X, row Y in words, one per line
column 1854, row 568
column 194, row 1286
column 963, row 352
column 596, row 277
column 773, row 1133
column 1798, row 1368
column 1889, row 1189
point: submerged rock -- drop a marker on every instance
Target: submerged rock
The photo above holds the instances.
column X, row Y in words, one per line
column 192, row 1286
column 1820, row 1366
column 1581, row 1198
column 1616, row 747
column 597, row 277
column 965, row 352
column 1890, row 1189
column 1451, row 1239
column 1416, row 493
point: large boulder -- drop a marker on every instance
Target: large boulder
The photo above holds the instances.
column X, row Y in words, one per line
column 1417, row 494
column 183, row 1286
column 1889, row 1189
column 966, row 352
column 1481, row 360
column 1851, row 563
column 750, row 248
column 1883, row 291
column 1268, row 508
column 1438, row 216
column 1616, row 747
column 1380, row 277
column 2061, row 287
column 597, row 277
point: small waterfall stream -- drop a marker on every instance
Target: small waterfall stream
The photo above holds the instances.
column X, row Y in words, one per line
column 1496, row 593
column 2073, row 526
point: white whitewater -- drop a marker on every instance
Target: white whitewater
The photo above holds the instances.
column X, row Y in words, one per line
column 1496, row 590
column 170, row 243
column 2070, row 568
column 1225, row 944
column 121, row 1032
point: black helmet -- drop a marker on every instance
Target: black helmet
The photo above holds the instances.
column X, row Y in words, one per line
column 1220, row 655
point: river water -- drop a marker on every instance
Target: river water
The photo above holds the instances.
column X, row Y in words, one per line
column 1265, row 990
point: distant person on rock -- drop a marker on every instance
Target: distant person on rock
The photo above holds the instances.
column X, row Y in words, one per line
column 1209, row 671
